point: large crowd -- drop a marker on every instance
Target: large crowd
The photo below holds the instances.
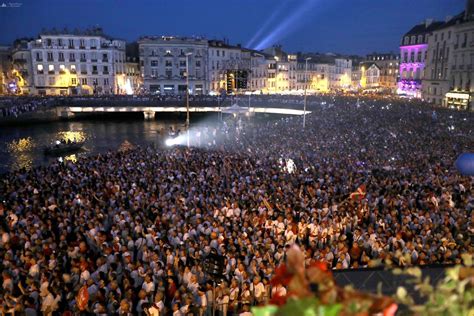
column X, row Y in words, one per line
column 127, row 232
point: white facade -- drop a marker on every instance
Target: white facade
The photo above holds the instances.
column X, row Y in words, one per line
column 70, row 64
column 163, row 63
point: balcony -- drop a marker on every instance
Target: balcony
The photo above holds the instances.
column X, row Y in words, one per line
column 73, row 71
column 49, row 59
column 72, row 60
column 62, row 72
column 83, row 60
column 40, row 72
column 105, row 60
column 95, row 72
column 71, row 47
column 61, row 59
column 105, row 72
column 82, row 47
column 83, row 72
column 93, row 47
column 39, row 60
column 51, row 72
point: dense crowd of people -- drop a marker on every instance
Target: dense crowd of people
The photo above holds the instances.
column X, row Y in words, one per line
column 127, row 232
column 12, row 107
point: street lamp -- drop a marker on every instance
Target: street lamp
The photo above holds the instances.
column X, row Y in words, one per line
column 305, row 86
column 187, row 97
column 187, row 89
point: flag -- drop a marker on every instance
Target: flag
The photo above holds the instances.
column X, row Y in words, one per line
column 359, row 194
column 82, row 298
column 267, row 205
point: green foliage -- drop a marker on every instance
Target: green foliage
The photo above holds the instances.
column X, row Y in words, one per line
column 305, row 307
column 454, row 295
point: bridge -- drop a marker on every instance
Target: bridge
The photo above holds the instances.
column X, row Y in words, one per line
column 150, row 111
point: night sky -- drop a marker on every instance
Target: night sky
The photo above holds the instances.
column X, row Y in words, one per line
column 342, row 26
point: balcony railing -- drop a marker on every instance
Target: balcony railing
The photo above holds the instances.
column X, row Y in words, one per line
column 95, row 72
column 51, row 72
column 72, row 60
column 73, row 71
column 40, row 72
column 84, row 72
column 83, row 60
column 105, row 60
column 105, row 72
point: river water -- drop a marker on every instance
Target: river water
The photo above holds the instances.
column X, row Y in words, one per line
column 23, row 146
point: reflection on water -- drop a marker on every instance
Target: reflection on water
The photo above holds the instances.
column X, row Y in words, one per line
column 72, row 136
column 23, row 146
column 20, row 151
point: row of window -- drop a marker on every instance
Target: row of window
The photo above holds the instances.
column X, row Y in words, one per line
column 72, row 43
column 412, row 40
column 169, row 52
column 72, row 69
column 409, row 57
column 169, row 63
column 72, row 57
column 75, row 81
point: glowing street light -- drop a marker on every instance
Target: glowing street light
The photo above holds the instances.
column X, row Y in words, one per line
column 305, row 87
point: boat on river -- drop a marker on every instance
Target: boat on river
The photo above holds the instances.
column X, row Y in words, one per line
column 63, row 148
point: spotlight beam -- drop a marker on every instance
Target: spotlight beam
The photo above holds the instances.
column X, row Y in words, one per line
column 287, row 25
column 267, row 23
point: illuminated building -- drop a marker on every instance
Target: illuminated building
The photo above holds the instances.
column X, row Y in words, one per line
column 316, row 77
column 228, row 63
column 461, row 94
column 5, row 68
column 388, row 63
column 163, row 62
column 133, row 78
column 370, row 75
column 413, row 55
column 20, row 79
column 71, row 63
column 258, row 70
column 449, row 71
column 282, row 73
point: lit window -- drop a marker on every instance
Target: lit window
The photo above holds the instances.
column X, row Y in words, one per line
column 61, row 67
column 50, row 67
column 40, row 67
column 73, row 67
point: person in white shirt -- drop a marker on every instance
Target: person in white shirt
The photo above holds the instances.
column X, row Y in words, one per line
column 258, row 290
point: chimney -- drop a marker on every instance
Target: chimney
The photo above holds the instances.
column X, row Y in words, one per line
column 448, row 18
column 428, row 22
column 469, row 14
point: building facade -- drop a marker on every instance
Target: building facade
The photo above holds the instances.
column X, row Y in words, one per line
column 449, row 74
column 388, row 63
column 76, row 63
column 461, row 94
column 370, row 76
column 165, row 62
column 413, row 54
column 21, row 80
column 5, row 68
column 229, row 67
